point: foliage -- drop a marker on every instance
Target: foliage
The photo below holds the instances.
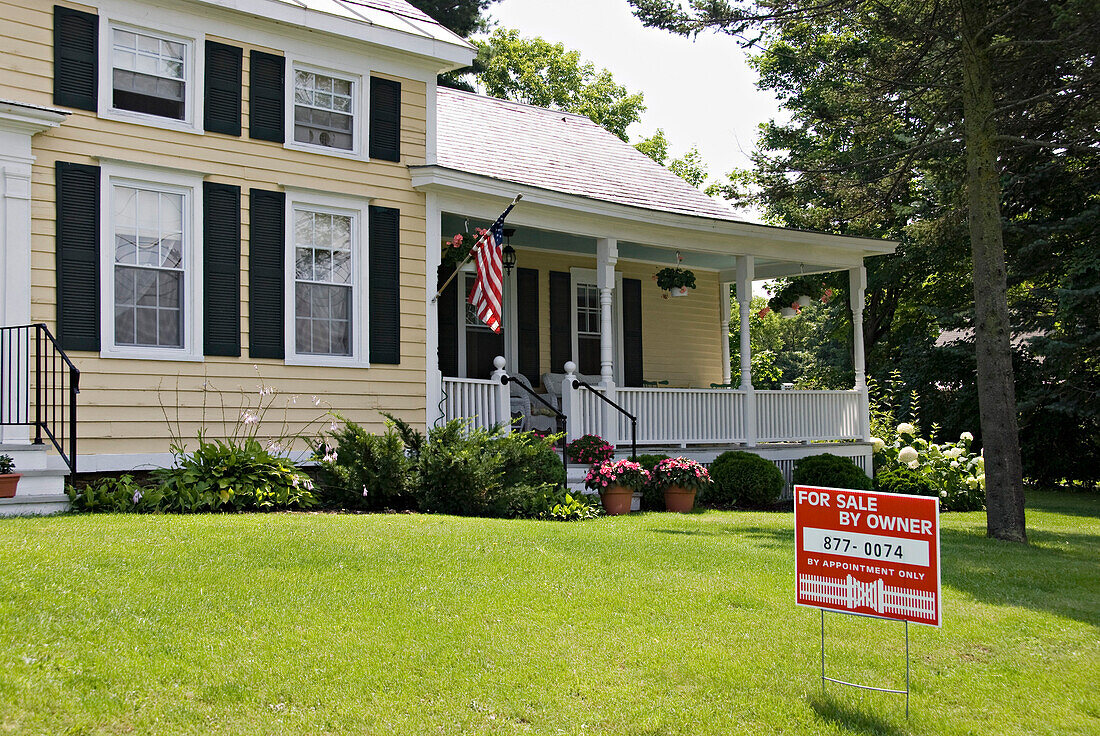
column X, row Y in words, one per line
column 652, row 497
column 366, row 471
column 537, row 72
column 904, row 480
column 550, row 502
column 461, row 16
column 590, row 449
column 830, row 471
column 7, row 465
column 655, row 146
column 529, row 459
column 675, row 277
column 951, row 470
column 116, row 495
column 232, row 475
column 458, row 247
column 691, row 168
column 683, row 472
column 743, row 479
column 624, row 473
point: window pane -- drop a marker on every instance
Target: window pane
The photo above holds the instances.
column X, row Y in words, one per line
column 341, row 267
column 124, row 325
column 149, row 74
column 146, row 326
column 303, row 264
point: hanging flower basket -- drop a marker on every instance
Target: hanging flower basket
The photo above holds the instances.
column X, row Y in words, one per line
column 675, row 280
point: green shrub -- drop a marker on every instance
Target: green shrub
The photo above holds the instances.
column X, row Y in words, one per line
column 904, row 480
column 232, row 475
column 549, row 502
column 459, row 471
column 653, row 498
column 528, row 459
column 366, row 471
column 115, row 495
column 743, row 479
column 830, row 471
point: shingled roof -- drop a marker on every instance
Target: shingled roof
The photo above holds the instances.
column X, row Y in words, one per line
column 396, row 15
column 561, row 152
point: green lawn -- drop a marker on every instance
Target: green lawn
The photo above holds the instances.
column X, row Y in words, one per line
column 407, row 624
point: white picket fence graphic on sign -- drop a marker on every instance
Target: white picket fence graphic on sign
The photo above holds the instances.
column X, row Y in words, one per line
column 875, row 595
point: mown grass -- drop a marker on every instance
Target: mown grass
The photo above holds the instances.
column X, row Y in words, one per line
column 406, row 624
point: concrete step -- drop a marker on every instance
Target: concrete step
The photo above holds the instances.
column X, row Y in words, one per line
column 26, row 457
column 38, row 482
column 31, row 504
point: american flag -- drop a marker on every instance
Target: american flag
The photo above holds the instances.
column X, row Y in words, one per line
column 489, row 285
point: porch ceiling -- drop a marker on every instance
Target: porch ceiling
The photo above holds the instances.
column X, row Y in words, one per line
column 563, row 242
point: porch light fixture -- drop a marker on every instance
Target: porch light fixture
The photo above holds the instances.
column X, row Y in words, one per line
column 508, row 257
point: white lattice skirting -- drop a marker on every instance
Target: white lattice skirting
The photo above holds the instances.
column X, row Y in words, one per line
column 875, row 595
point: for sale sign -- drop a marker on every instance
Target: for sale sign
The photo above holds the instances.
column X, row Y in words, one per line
column 870, row 553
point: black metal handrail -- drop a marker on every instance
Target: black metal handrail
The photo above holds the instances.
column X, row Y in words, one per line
column 55, row 379
column 558, row 416
column 633, row 419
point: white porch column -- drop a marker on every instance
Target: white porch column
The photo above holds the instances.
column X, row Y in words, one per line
column 432, row 258
column 569, row 405
column 607, row 255
column 502, row 393
column 746, row 270
column 857, row 281
column 724, row 315
column 18, row 125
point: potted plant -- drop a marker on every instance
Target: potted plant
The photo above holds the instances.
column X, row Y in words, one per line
column 590, row 449
column 616, row 483
column 675, row 280
column 8, row 479
column 680, row 479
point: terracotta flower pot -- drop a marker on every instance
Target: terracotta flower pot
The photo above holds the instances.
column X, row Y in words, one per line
column 616, row 500
column 8, row 484
column 679, row 500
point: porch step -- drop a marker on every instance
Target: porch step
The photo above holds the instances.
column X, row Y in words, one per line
column 26, row 457
column 41, row 488
column 33, row 504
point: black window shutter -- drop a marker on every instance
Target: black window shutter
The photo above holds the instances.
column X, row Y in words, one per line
column 221, row 269
column 447, row 305
column 632, row 332
column 77, row 202
column 223, row 88
column 266, row 254
column 561, row 323
column 75, row 58
column 266, row 96
column 385, row 119
column 527, row 323
column 384, row 264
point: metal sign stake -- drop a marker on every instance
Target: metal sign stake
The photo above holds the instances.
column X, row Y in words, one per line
column 825, row 679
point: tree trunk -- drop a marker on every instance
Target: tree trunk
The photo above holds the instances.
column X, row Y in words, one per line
column 996, row 386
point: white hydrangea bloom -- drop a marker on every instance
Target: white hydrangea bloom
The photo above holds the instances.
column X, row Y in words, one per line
column 914, row 464
column 906, row 428
column 907, row 455
column 877, row 444
column 966, row 437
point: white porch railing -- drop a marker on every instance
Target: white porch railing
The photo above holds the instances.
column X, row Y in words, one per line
column 477, row 399
column 785, row 416
column 683, row 415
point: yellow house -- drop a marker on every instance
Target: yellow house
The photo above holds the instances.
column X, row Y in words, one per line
column 201, row 198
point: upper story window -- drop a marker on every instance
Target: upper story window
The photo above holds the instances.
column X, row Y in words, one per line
column 324, row 110
column 149, row 74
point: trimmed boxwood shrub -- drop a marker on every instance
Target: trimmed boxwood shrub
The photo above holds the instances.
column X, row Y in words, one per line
column 743, row 479
column 904, row 480
column 830, row 471
column 653, row 499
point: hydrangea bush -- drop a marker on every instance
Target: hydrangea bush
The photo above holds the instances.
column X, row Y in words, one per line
column 625, row 473
column 951, row 470
column 680, row 471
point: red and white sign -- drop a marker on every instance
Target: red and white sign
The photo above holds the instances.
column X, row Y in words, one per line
column 876, row 554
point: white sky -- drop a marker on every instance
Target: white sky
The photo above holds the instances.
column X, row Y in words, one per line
column 700, row 92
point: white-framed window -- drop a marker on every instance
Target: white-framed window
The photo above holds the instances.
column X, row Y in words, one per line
column 326, row 279
column 151, row 266
column 151, row 77
column 586, row 321
column 324, row 113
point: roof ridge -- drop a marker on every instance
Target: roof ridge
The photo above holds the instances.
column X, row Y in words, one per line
column 517, row 103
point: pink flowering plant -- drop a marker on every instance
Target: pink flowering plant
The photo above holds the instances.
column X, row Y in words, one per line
column 680, row 471
column 625, row 473
column 590, row 449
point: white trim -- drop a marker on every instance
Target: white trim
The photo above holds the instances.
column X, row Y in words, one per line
column 190, row 187
column 338, row 204
column 433, row 256
column 360, row 93
column 193, row 75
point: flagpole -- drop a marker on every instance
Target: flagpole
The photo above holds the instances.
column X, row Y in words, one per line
column 471, row 253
